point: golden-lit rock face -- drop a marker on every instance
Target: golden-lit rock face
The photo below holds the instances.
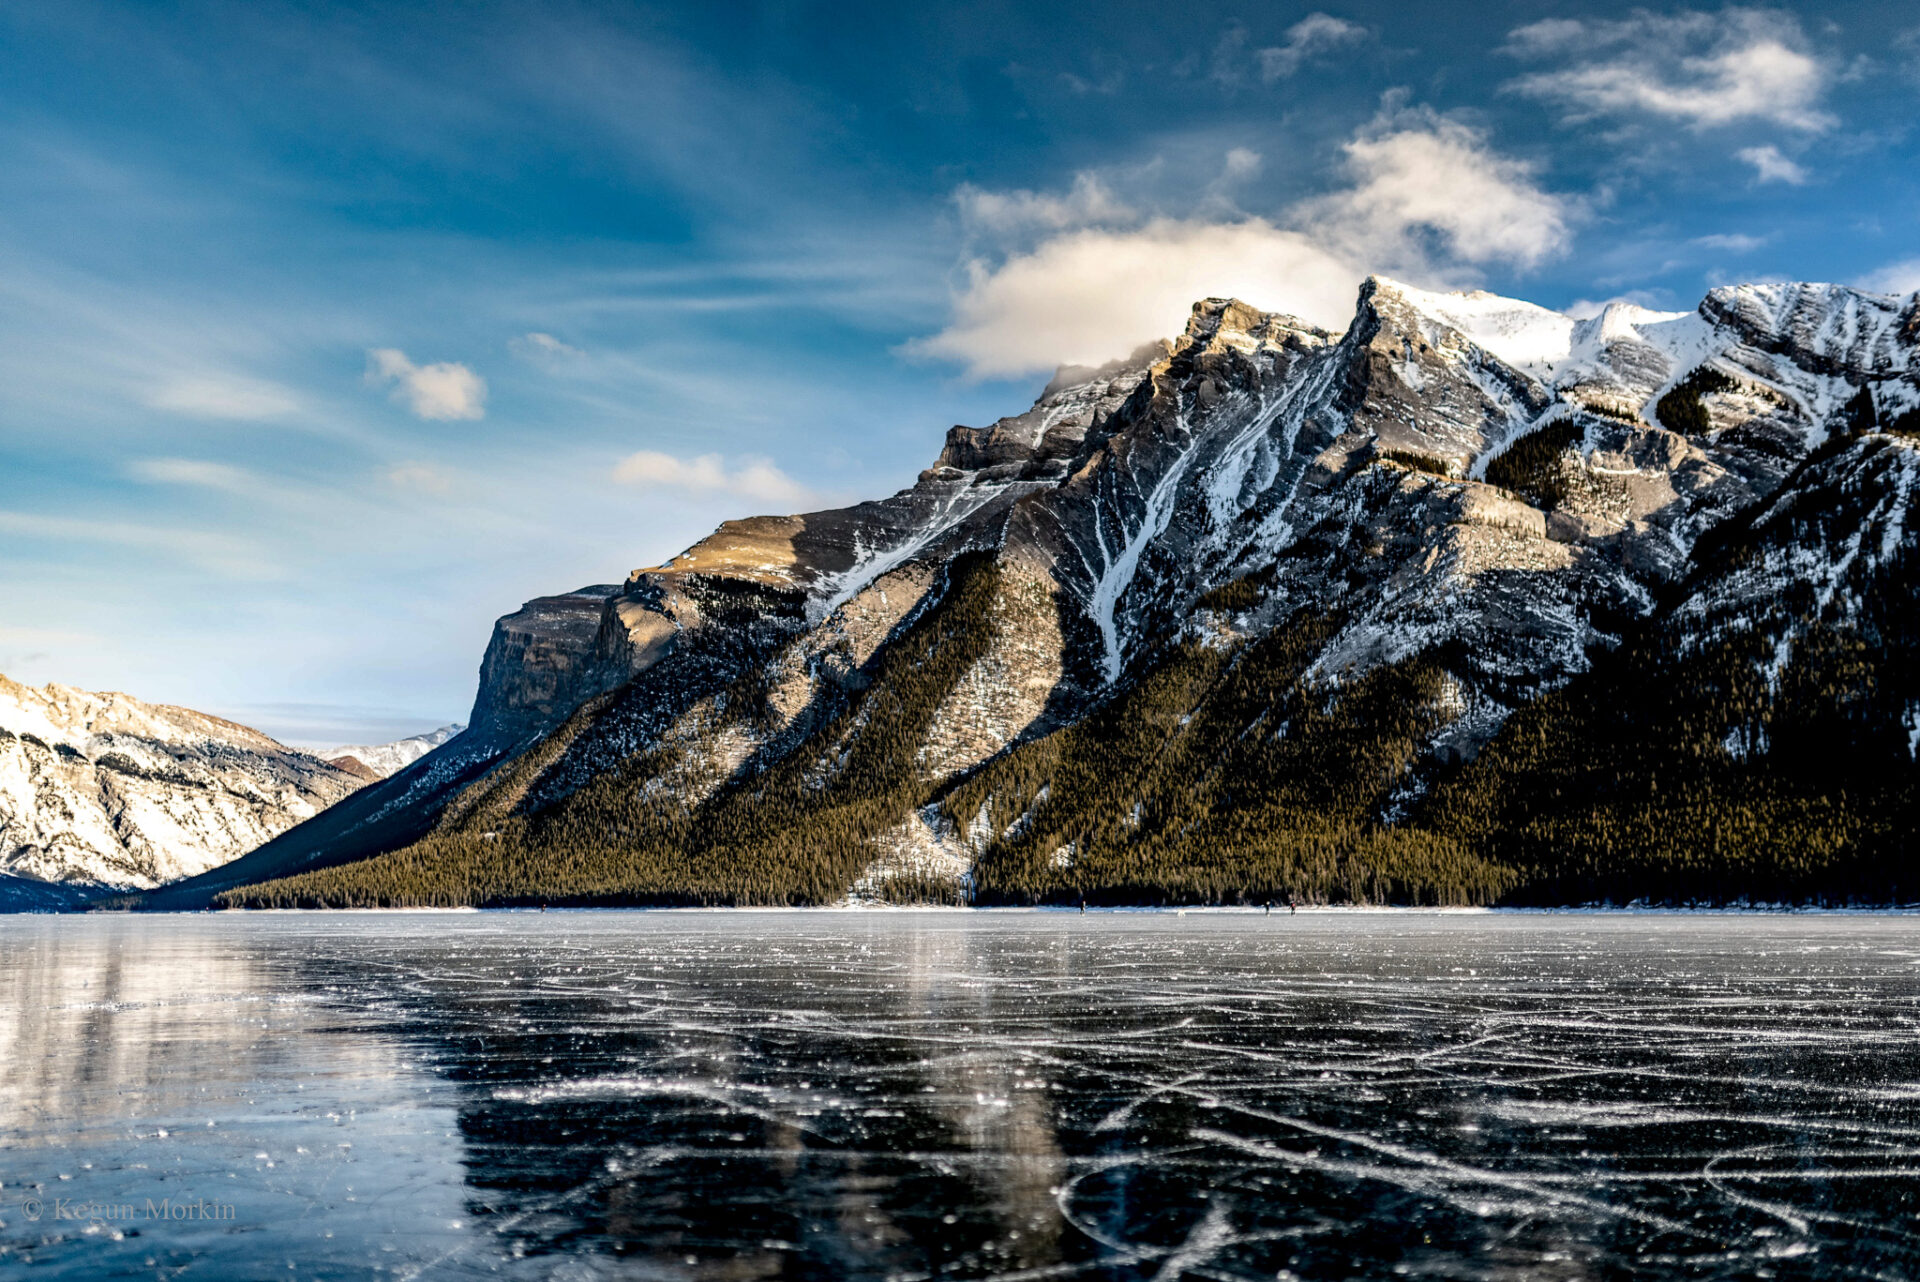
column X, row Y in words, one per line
column 759, row 549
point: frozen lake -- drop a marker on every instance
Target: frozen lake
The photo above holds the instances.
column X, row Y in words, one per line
column 944, row 1095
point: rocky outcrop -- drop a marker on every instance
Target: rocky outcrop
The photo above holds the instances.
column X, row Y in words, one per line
column 541, row 661
column 106, row 790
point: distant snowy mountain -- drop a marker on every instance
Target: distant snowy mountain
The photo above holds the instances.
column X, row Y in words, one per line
column 380, row 760
column 105, row 789
column 1241, row 614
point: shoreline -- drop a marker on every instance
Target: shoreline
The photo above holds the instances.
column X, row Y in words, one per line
column 1211, row 910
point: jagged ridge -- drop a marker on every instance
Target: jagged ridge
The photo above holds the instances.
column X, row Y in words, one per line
column 1279, row 472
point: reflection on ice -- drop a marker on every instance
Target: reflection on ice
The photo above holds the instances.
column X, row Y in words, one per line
column 924, row 1095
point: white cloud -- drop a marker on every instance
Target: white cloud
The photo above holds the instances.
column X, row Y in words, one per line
column 1735, row 242
column 543, row 350
column 1007, row 213
column 751, row 478
column 1702, row 69
column 1426, row 196
column 1090, row 295
column 1895, row 278
column 1242, row 163
column 1769, row 166
column 444, row 390
column 224, row 397
column 1417, row 173
column 1313, row 35
column 422, row 478
column 198, row 473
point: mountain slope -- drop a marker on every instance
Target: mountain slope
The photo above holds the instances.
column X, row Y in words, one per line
column 107, row 790
column 1337, row 562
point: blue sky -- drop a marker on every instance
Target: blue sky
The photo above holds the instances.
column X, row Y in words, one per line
column 328, row 333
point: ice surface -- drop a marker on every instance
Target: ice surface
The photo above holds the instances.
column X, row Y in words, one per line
column 928, row 1094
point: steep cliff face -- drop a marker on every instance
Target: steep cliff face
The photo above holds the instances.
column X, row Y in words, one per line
column 540, row 662
column 105, row 789
column 1468, row 495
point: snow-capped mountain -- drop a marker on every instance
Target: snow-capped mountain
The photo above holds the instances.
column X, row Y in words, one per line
column 1470, row 483
column 377, row 761
column 105, row 789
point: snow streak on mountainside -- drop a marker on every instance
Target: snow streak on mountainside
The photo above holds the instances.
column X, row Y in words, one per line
column 106, row 789
column 1467, row 481
column 1820, row 555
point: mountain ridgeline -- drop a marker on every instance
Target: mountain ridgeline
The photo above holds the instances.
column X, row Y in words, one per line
column 1471, row 603
column 104, row 791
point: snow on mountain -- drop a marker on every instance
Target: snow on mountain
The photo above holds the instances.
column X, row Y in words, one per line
column 1530, row 338
column 377, row 761
column 1819, row 556
column 106, row 789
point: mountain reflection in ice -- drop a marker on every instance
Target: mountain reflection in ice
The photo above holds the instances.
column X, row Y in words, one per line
column 934, row 1095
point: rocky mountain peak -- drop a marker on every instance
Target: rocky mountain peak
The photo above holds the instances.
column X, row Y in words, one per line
column 107, row 789
column 1218, row 322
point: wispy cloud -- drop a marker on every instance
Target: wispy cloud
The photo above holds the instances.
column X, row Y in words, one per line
column 1311, row 37
column 1731, row 242
column 1906, row 48
column 544, row 350
column 224, row 397
column 444, row 390
column 422, row 478
column 1699, row 69
column 228, row 556
column 1770, row 166
column 750, row 478
column 1895, row 278
column 1088, row 202
column 199, row 473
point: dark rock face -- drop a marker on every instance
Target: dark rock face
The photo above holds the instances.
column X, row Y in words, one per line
column 1391, row 479
column 541, row 660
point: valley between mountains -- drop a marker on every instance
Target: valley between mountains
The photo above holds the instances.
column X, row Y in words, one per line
column 1470, row 603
